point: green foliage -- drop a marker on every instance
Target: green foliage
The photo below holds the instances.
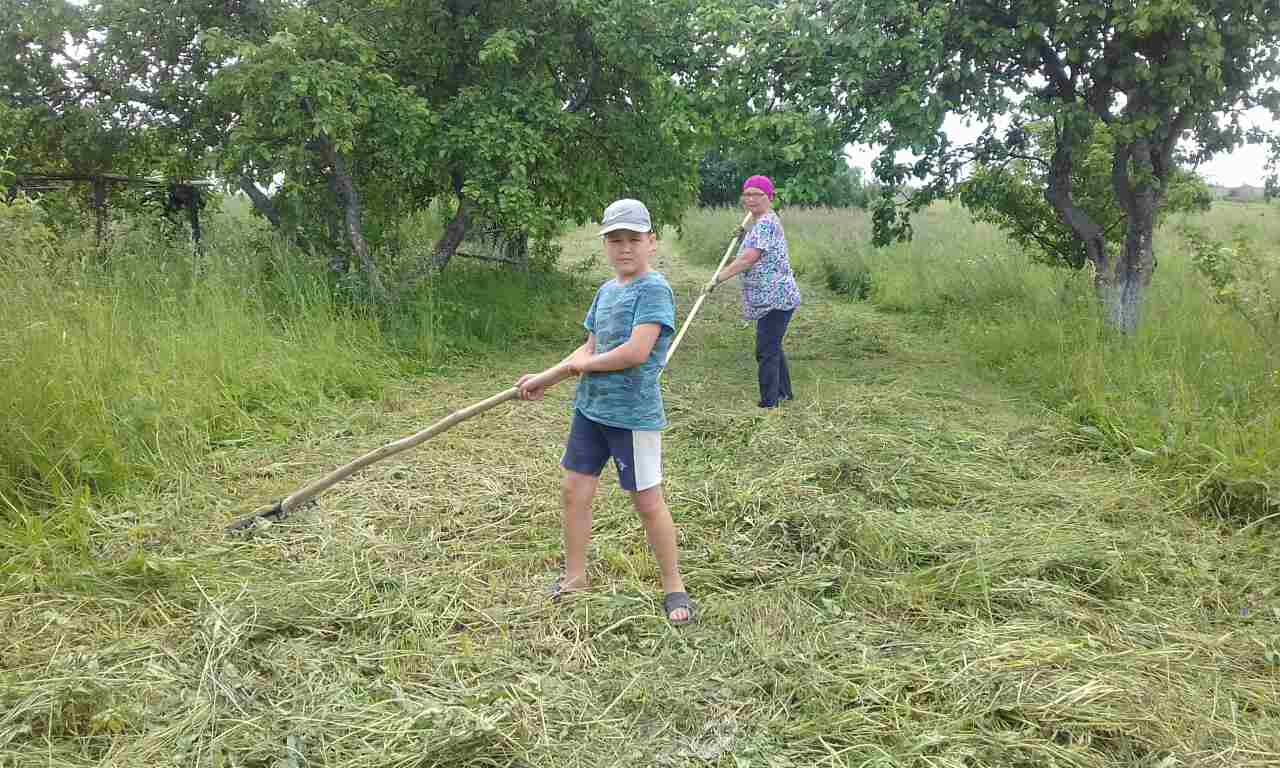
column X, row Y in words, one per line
column 719, row 180
column 23, row 228
column 320, row 82
column 523, row 109
column 534, row 113
column 1010, row 195
column 852, row 279
column 24, row 231
column 1173, row 52
column 721, row 177
column 46, row 121
column 114, row 86
column 755, row 117
column 843, row 187
column 1241, row 278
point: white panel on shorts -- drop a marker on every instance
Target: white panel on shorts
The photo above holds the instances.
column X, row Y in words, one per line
column 647, row 448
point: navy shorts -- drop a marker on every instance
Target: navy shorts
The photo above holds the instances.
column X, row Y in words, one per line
column 636, row 454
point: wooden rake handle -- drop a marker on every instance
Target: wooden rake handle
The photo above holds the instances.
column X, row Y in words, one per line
column 737, row 238
column 282, row 508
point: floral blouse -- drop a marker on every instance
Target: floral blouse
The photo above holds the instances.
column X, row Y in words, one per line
column 769, row 284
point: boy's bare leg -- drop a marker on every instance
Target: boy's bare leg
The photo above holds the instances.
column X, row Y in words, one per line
column 661, row 531
column 576, row 493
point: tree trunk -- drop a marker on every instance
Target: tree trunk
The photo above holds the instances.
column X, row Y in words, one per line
column 516, row 251
column 261, row 203
column 101, row 223
column 267, row 209
column 1122, row 288
column 1058, row 193
column 348, row 198
column 339, row 259
column 448, row 243
column 1123, row 285
column 193, row 214
column 193, row 210
column 349, row 201
column 1120, row 280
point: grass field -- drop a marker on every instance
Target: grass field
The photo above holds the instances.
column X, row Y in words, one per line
column 136, row 370
column 929, row 559
column 1195, row 395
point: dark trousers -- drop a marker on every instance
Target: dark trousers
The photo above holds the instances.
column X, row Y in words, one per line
column 775, row 379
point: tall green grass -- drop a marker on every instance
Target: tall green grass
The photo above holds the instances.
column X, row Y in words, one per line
column 136, row 368
column 1194, row 395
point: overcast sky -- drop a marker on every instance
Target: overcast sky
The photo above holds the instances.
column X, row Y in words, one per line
column 1246, row 165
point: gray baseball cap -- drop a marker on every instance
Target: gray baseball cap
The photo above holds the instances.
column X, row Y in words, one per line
column 625, row 214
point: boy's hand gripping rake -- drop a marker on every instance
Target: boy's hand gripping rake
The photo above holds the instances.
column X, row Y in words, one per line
column 281, row 509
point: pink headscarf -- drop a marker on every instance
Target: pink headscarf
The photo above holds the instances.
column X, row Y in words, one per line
column 761, row 183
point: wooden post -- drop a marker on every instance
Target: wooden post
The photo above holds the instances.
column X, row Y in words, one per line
column 193, row 211
column 100, row 215
column 516, row 250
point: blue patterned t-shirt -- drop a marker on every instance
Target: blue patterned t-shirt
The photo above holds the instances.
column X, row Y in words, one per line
column 630, row 398
column 769, row 284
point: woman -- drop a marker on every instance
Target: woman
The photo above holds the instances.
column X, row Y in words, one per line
column 769, row 291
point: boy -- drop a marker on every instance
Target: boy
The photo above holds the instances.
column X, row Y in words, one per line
column 618, row 411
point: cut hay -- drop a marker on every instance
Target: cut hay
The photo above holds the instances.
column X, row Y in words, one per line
column 903, row 568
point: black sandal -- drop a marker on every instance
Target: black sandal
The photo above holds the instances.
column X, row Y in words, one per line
column 556, row 589
column 675, row 600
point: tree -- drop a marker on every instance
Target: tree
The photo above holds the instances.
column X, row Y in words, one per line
column 112, row 88
column 1010, row 195
column 524, row 113
column 337, row 118
column 843, row 187
column 311, row 103
column 55, row 120
column 756, row 117
column 1152, row 73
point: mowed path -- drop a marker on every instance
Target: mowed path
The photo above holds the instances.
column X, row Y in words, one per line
column 911, row 565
